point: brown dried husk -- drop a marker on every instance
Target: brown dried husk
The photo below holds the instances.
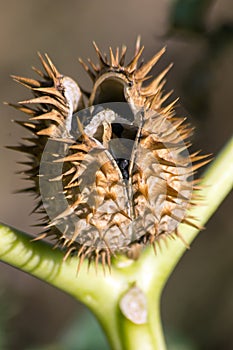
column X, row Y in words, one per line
column 94, row 206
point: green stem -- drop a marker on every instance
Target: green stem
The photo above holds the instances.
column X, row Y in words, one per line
column 148, row 336
column 102, row 294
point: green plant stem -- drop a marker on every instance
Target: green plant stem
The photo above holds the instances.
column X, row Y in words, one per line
column 100, row 293
column 103, row 293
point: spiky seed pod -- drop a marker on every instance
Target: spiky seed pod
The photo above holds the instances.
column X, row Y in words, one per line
column 114, row 177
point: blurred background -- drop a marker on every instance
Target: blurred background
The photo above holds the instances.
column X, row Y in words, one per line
column 197, row 304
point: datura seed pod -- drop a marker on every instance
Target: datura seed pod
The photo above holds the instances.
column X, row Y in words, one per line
column 111, row 169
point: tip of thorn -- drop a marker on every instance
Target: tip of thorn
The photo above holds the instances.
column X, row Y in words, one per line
column 94, row 44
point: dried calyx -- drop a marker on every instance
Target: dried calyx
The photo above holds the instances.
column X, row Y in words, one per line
column 116, row 175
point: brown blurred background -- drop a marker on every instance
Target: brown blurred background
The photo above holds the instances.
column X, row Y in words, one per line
column 197, row 304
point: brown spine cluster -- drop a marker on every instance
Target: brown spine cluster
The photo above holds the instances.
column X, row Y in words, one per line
column 112, row 184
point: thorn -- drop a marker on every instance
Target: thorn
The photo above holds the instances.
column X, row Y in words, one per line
column 53, row 69
column 100, row 56
column 109, row 261
column 169, row 107
column 69, row 251
column 122, row 56
column 133, row 64
column 41, row 236
column 29, row 83
column 146, row 67
column 80, row 262
column 53, row 115
column 96, row 261
column 112, row 58
column 26, row 125
column 50, row 91
column 194, row 157
column 80, row 126
column 39, row 72
column 22, row 108
column 87, row 69
column 199, row 165
column 50, row 131
column 117, row 56
column 153, row 87
column 46, row 67
column 94, row 67
column 191, row 223
column 60, row 105
column 178, row 234
column 103, row 261
column 138, row 45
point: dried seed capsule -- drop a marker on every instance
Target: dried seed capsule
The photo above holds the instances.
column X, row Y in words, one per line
column 115, row 175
